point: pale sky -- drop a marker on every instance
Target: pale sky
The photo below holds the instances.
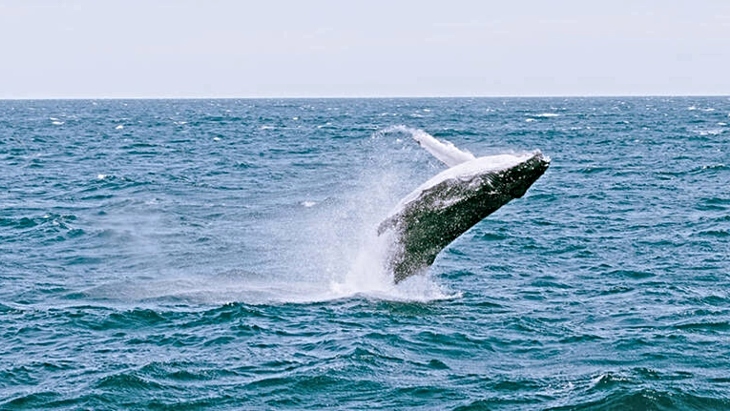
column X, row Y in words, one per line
column 373, row 48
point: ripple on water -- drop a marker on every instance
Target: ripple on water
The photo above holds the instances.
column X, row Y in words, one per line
column 200, row 257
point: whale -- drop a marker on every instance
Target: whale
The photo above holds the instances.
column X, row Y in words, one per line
column 443, row 208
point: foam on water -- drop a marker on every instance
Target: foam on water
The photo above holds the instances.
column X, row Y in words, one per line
column 710, row 132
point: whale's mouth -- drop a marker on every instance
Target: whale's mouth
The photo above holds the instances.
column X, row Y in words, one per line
column 526, row 173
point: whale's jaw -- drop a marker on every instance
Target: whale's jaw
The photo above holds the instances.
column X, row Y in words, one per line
column 452, row 202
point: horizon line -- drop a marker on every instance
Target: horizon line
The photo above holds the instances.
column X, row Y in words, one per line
column 333, row 97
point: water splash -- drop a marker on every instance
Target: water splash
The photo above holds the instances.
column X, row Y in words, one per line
column 348, row 252
column 318, row 249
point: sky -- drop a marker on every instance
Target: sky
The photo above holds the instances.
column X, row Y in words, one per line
column 362, row 48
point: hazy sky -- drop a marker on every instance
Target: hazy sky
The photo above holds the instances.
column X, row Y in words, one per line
column 270, row 48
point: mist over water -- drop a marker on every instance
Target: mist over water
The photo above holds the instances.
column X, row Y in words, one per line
column 223, row 254
column 331, row 247
column 314, row 248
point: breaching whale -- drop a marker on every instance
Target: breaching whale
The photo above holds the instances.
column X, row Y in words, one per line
column 447, row 205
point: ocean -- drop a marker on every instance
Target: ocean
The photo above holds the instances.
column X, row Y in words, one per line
column 221, row 254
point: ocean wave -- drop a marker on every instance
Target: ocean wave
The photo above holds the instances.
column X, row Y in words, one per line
column 156, row 267
column 647, row 399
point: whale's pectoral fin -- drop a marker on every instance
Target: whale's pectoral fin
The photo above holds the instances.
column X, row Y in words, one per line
column 445, row 151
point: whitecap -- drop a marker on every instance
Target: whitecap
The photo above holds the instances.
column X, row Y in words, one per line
column 710, row 132
column 119, row 127
column 714, row 166
column 547, row 115
column 308, row 203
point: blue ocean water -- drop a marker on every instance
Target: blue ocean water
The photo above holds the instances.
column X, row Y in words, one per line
column 219, row 254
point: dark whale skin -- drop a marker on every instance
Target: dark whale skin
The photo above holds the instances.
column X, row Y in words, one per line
column 441, row 213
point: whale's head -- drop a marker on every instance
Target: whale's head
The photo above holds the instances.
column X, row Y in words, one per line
column 516, row 180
